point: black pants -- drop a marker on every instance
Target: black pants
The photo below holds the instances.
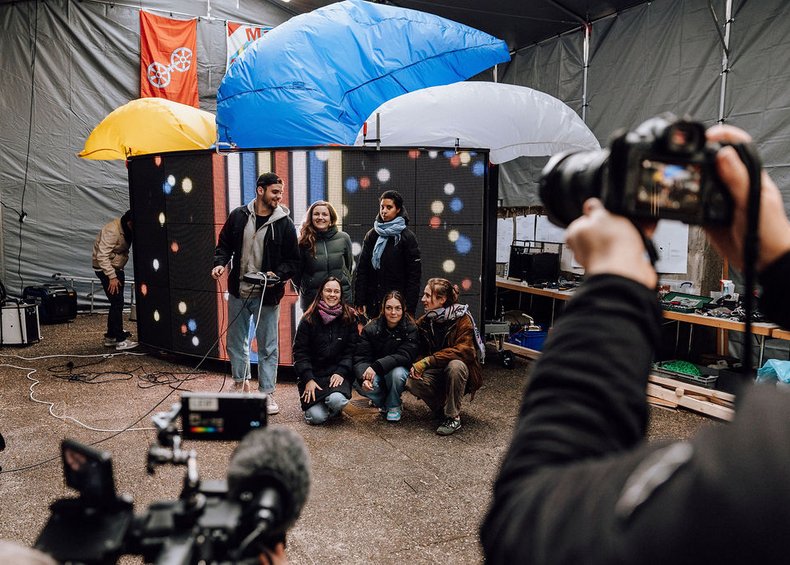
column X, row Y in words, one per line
column 115, row 318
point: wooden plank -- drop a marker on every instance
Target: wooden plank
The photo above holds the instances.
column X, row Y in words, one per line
column 680, row 397
column 521, row 351
column 709, row 392
column 780, row 333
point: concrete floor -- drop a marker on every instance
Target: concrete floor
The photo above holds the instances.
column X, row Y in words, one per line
column 381, row 492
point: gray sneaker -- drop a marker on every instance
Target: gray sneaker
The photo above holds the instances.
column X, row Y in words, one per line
column 271, row 405
column 126, row 344
column 450, row 426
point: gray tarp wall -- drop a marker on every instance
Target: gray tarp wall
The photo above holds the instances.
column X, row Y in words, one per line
column 667, row 56
column 65, row 65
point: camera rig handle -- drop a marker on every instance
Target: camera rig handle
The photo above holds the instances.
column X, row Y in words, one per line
column 168, row 450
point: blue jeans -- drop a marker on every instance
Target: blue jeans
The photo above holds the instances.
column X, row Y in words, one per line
column 115, row 317
column 387, row 389
column 241, row 312
column 329, row 408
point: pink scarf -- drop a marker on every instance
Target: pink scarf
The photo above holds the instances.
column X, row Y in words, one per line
column 329, row 313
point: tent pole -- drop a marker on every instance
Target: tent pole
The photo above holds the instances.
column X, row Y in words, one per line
column 587, row 33
column 725, row 57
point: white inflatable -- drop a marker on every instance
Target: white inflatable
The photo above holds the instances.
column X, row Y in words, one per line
column 511, row 121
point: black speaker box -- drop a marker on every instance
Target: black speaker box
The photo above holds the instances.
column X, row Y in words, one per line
column 530, row 262
column 57, row 303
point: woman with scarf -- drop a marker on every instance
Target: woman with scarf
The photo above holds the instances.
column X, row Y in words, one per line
column 387, row 347
column 324, row 251
column 322, row 353
column 449, row 367
column 390, row 259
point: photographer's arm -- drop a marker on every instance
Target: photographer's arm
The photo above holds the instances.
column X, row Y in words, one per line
column 773, row 262
column 586, row 397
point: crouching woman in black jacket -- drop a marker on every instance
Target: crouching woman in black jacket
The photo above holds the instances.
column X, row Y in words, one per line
column 323, row 350
column 385, row 352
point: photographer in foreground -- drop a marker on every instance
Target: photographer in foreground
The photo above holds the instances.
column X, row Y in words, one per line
column 578, row 483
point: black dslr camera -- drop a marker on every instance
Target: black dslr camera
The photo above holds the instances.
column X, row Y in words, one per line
column 212, row 521
column 664, row 169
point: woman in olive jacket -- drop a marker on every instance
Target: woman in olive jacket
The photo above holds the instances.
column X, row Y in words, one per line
column 324, row 251
column 386, row 350
column 322, row 352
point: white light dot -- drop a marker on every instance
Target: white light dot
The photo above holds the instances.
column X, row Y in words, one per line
column 449, row 188
column 448, row 266
column 186, row 185
column 195, row 341
column 465, row 157
column 161, row 218
column 225, row 296
column 345, row 210
column 156, row 264
column 437, row 207
column 453, row 235
column 322, row 155
column 182, row 307
column 433, row 154
column 356, row 248
column 171, row 180
column 156, row 316
column 383, row 175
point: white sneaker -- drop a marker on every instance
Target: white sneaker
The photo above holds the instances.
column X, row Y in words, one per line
column 126, row 344
column 110, row 342
column 271, row 405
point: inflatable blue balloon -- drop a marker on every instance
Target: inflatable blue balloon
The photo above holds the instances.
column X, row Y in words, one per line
column 315, row 79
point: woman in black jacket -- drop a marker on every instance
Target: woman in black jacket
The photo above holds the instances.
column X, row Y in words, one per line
column 386, row 349
column 324, row 251
column 322, row 352
column 390, row 259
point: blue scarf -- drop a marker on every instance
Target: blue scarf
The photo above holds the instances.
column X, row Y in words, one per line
column 386, row 230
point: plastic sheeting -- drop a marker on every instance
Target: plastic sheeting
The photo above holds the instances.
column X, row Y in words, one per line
column 66, row 64
column 315, row 79
column 511, row 121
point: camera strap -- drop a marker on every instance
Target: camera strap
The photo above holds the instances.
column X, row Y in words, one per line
column 751, row 245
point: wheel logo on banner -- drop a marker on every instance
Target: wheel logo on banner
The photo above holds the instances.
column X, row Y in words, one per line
column 180, row 61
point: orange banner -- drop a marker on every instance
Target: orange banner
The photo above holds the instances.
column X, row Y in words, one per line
column 168, row 53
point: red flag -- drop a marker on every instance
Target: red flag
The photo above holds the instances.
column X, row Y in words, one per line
column 168, row 52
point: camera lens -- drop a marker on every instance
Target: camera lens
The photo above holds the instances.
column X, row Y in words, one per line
column 568, row 179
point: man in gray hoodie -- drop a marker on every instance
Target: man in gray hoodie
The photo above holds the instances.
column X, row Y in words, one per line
column 259, row 237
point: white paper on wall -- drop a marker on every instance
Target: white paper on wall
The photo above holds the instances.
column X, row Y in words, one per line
column 546, row 231
column 672, row 241
column 504, row 237
column 525, row 227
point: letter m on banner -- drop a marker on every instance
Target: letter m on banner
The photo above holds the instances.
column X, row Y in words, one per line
column 168, row 66
column 240, row 37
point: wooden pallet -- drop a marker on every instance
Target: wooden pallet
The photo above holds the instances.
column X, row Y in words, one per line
column 670, row 393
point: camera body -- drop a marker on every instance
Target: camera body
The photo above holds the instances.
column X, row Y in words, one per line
column 206, row 524
column 664, row 169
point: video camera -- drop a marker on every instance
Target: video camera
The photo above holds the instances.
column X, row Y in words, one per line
column 663, row 169
column 224, row 521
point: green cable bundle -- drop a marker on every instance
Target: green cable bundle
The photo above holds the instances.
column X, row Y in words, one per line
column 683, row 367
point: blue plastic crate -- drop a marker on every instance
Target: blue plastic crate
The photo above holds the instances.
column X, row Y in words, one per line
column 529, row 339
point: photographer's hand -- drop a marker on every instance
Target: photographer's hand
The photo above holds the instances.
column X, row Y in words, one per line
column 774, row 228
column 604, row 243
